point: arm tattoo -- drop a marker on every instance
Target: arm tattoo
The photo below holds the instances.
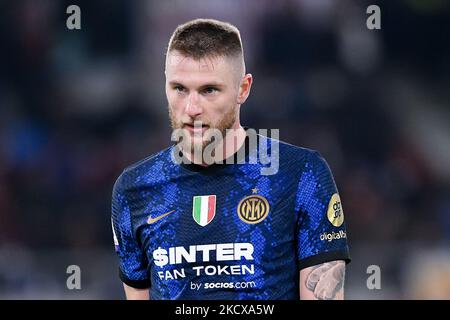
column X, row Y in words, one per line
column 326, row 280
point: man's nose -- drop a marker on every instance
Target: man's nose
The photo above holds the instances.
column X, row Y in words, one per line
column 193, row 108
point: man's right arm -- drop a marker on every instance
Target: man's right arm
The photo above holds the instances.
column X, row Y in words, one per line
column 136, row 294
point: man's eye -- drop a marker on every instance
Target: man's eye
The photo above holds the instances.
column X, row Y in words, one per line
column 210, row 90
column 179, row 88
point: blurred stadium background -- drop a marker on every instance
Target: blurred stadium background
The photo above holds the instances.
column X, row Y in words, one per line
column 76, row 107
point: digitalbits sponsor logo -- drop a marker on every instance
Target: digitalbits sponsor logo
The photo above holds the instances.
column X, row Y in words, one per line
column 326, row 236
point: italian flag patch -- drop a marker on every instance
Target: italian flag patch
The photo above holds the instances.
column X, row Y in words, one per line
column 204, row 209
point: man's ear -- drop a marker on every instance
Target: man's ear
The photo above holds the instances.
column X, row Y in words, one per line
column 244, row 88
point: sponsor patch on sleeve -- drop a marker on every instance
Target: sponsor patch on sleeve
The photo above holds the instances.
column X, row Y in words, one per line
column 335, row 212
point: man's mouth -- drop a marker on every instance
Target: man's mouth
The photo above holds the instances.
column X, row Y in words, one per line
column 195, row 129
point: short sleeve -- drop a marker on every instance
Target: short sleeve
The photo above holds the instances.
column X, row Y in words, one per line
column 321, row 229
column 133, row 263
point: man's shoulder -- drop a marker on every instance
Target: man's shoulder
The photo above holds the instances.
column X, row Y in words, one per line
column 290, row 152
column 295, row 161
column 163, row 155
column 137, row 169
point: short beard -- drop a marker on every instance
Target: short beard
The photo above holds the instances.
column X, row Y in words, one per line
column 187, row 145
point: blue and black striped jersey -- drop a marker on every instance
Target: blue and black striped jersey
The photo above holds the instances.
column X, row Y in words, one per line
column 226, row 231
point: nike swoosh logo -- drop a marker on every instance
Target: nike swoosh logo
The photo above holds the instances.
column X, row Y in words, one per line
column 153, row 220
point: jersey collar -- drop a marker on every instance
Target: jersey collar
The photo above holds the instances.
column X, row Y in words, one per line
column 238, row 157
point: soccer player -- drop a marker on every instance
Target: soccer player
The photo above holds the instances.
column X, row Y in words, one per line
column 189, row 228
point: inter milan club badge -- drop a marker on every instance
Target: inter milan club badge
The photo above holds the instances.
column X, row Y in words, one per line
column 253, row 209
column 204, row 209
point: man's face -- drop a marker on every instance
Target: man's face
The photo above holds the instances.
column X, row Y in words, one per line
column 204, row 92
